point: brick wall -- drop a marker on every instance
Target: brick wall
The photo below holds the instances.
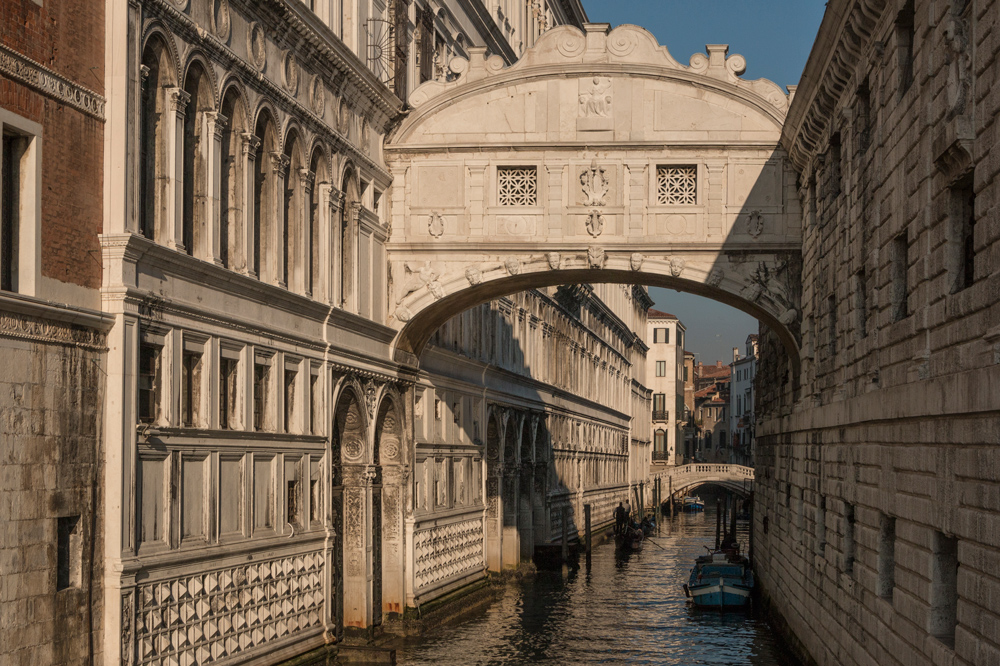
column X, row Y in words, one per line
column 896, row 416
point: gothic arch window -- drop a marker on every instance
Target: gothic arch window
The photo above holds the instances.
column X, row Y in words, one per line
column 154, row 175
column 197, row 140
column 293, row 236
column 526, row 447
column 315, row 218
column 348, row 234
column 267, row 166
column 232, row 239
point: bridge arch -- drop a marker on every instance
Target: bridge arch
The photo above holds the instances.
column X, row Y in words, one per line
column 595, row 158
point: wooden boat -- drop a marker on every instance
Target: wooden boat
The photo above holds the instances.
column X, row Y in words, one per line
column 630, row 539
column 692, row 504
column 722, row 579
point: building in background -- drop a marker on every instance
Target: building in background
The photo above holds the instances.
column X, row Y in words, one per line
column 690, row 429
column 741, row 411
column 711, row 396
column 665, row 378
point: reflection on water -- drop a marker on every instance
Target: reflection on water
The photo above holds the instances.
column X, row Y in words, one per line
column 623, row 609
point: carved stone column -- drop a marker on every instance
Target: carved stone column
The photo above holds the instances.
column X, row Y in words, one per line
column 357, row 492
column 215, row 126
column 329, row 205
column 170, row 226
column 276, row 274
column 249, row 144
column 307, row 179
column 350, row 258
column 394, row 484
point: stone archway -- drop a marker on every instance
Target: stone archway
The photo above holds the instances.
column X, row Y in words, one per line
column 596, row 158
column 353, row 480
column 389, row 458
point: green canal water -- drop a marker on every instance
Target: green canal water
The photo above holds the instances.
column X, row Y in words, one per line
column 618, row 610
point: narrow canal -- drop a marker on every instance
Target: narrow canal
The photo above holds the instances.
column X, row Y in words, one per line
column 621, row 609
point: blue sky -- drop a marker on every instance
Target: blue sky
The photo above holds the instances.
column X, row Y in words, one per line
column 775, row 37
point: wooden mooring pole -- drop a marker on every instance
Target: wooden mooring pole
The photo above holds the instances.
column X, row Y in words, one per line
column 718, row 522
column 670, row 496
column 565, row 533
column 586, row 518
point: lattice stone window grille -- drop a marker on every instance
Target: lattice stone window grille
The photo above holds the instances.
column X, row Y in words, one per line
column 518, row 186
column 676, row 184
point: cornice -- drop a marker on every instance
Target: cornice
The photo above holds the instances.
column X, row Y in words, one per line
column 26, row 318
column 843, row 37
column 24, row 70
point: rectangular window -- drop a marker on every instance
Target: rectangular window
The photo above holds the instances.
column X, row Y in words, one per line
column 293, row 498
column 962, row 235
column 69, row 552
column 886, row 556
column 944, row 589
column 676, row 185
column 229, row 378
column 661, row 335
column 848, row 538
column 263, row 493
column 659, row 402
column 661, row 368
column 899, row 265
column 261, row 394
column 149, row 383
column 861, row 303
column 517, row 186
column 904, row 46
column 14, row 146
column 290, row 377
column 230, row 495
column 190, row 387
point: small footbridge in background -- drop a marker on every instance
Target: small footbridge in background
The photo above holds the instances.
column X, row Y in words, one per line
column 679, row 480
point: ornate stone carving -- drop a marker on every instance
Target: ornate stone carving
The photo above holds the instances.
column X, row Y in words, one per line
column 366, row 137
column 419, row 276
column 402, row 314
column 595, row 223
column 595, row 257
column 447, row 552
column 595, row 100
column 676, row 266
column 371, row 393
column 390, row 448
column 290, row 71
column 437, row 291
column 353, row 448
column 257, row 45
column 128, row 621
column 224, row 613
column 343, row 117
column 715, row 277
column 636, row 260
column 473, row 275
column 435, row 224
column 317, row 95
column 554, row 259
column 221, row 22
column 512, row 265
column 755, row 223
column 26, row 327
column 595, row 185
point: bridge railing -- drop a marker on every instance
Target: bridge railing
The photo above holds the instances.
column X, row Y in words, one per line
column 685, row 476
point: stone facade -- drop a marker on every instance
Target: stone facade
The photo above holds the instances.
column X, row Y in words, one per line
column 665, row 378
column 52, row 334
column 742, row 419
column 876, row 523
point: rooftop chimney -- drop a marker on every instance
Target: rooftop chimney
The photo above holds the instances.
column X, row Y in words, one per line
column 736, row 353
column 718, row 364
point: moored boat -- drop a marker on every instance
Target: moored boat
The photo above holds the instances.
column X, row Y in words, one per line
column 630, row 538
column 722, row 579
column 692, row 504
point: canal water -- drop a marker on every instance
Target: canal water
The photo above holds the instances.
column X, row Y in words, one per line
column 620, row 610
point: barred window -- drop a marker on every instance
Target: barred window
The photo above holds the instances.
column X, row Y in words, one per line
column 518, row 186
column 676, row 184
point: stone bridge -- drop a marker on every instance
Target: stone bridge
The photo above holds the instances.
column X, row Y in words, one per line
column 683, row 478
column 596, row 158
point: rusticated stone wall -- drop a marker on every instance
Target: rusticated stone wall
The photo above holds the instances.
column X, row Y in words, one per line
column 877, row 529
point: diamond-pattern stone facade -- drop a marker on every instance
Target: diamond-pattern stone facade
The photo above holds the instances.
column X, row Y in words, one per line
column 447, row 551
column 676, row 185
column 207, row 617
column 518, row 186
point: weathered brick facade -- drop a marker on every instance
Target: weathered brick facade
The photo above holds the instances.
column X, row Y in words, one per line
column 52, row 342
column 878, row 532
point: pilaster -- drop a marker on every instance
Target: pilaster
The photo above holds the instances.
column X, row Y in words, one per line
column 170, row 227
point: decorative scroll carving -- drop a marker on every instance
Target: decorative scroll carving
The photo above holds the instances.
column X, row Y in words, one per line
column 446, row 552
column 755, row 223
column 44, row 80
column 208, row 617
column 595, row 223
column 435, row 224
column 595, row 185
column 26, row 327
column 595, row 101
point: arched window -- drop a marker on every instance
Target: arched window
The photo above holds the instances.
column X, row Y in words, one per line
column 318, row 241
column 348, row 250
column 265, row 207
column 660, row 441
column 292, row 212
column 196, row 216
column 154, row 174
column 232, row 241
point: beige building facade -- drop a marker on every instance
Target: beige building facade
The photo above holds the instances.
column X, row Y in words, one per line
column 665, row 378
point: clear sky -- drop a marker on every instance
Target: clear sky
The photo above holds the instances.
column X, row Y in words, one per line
column 775, row 37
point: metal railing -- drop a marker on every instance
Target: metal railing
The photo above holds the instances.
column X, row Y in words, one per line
column 661, row 415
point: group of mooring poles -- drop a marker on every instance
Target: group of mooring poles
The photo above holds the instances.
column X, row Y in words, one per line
column 725, row 512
